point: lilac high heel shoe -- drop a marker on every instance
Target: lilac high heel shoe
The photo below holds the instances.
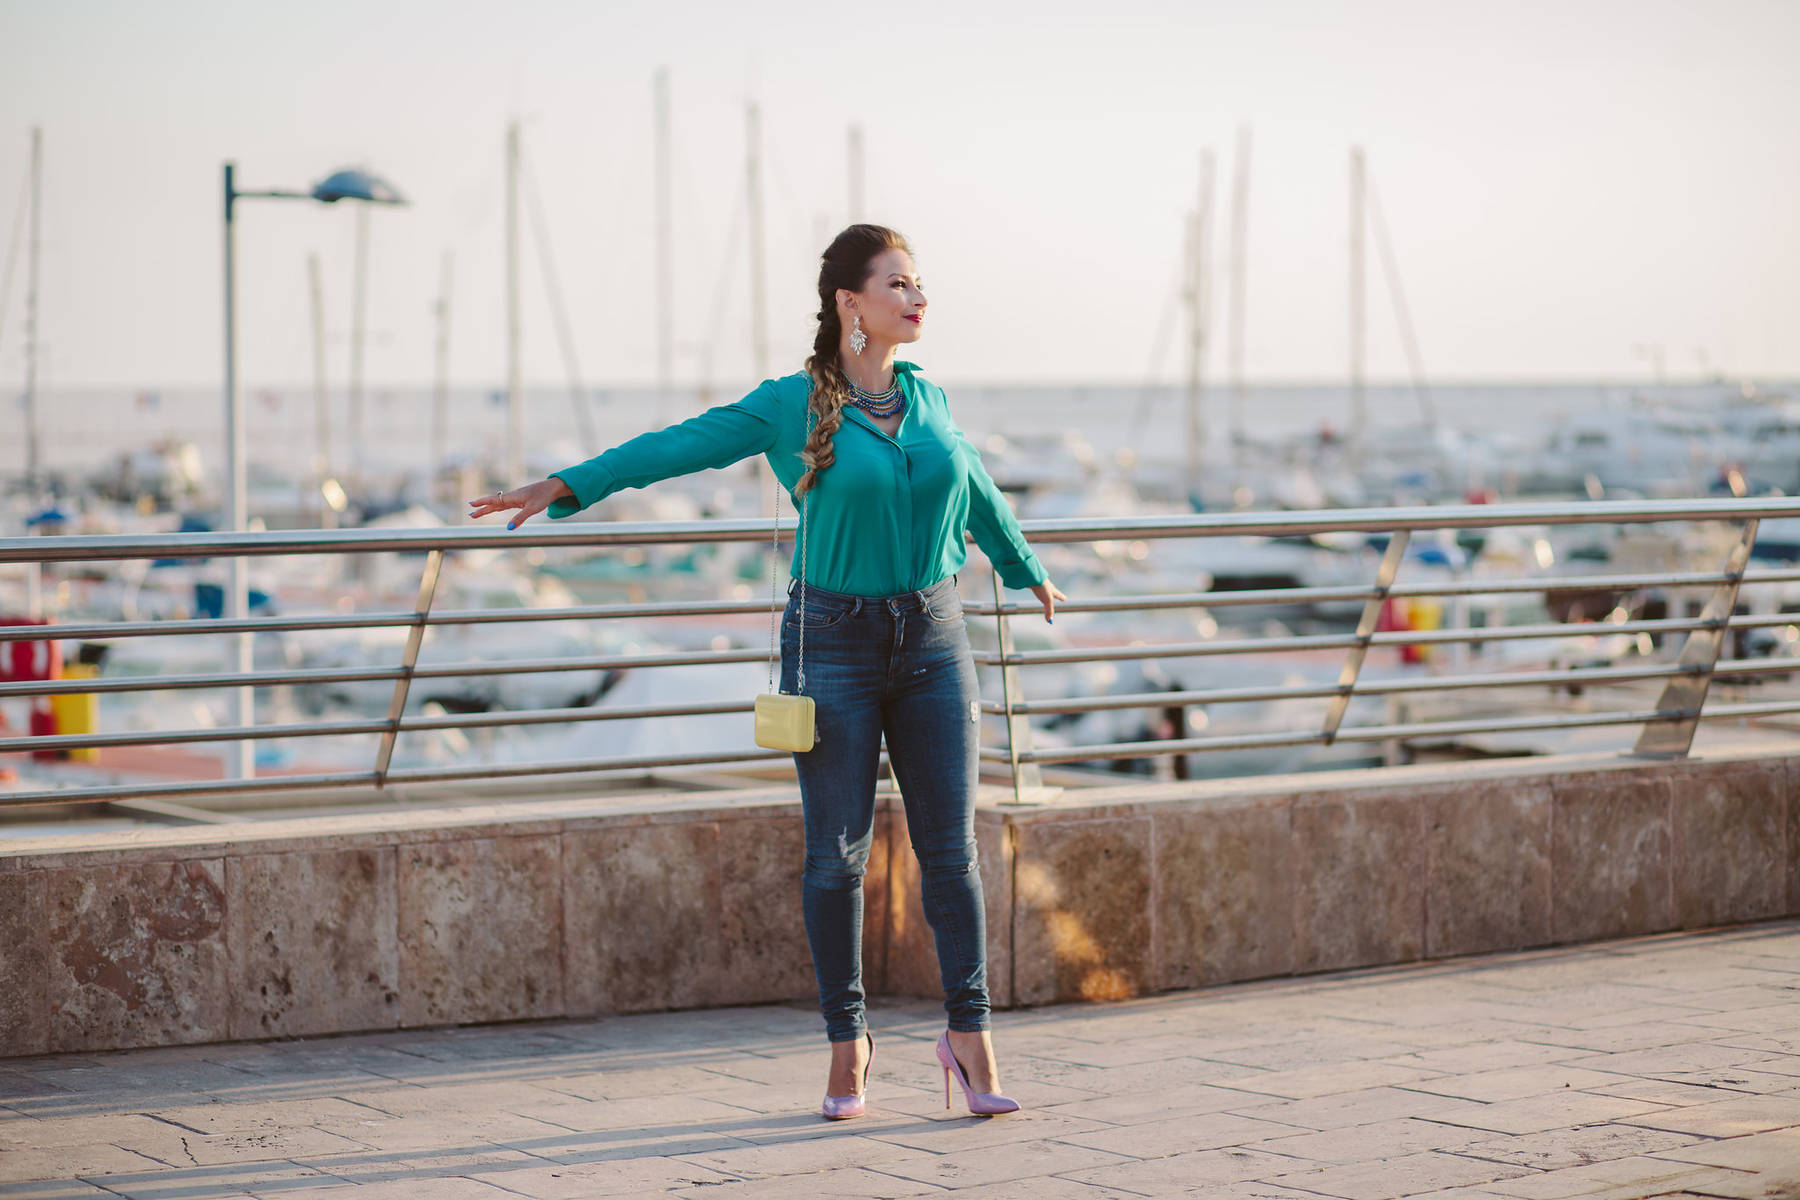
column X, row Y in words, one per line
column 982, row 1104
column 842, row 1108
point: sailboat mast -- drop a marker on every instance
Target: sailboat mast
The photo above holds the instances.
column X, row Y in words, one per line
column 1390, row 270
column 321, row 397
column 855, row 158
column 1199, row 299
column 359, row 323
column 759, row 316
column 33, row 448
column 1240, row 221
column 440, row 391
column 1359, row 400
column 515, row 388
column 665, row 250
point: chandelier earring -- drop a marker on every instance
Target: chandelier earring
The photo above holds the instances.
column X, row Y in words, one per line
column 858, row 339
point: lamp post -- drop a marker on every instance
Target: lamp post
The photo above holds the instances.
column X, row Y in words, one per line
column 351, row 184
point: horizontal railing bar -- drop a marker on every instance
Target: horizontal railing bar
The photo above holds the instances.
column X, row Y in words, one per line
column 303, row 729
column 99, row 631
column 186, row 787
column 1248, row 741
column 1383, row 687
column 1356, row 733
column 176, row 737
column 302, row 676
column 603, row 662
column 270, row 783
column 1321, row 641
column 1335, row 641
column 1758, row 708
column 1300, row 595
column 1728, row 667
column 642, row 762
column 603, row 612
column 1316, row 595
column 1410, row 518
column 91, row 547
column 1503, row 633
column 102, row 630
column 553, row 716
column 211, row 679
column 316, row 675
column 1383, row 733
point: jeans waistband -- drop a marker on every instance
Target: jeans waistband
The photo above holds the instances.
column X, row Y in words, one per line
column 898, row 602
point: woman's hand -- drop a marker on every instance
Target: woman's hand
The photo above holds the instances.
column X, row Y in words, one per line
column 530, row 500
column 1048, row 595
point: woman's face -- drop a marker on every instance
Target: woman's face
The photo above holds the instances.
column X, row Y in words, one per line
column 891, row 303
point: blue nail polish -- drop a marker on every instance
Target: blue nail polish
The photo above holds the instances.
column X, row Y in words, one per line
column 1049, row 620
column 510, row 525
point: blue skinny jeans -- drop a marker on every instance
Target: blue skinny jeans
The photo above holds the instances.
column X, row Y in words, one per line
column 899, row 666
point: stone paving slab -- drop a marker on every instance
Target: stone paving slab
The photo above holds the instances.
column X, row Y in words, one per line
column 1653, row 1067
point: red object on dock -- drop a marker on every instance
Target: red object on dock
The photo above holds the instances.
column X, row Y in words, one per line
column 33, row 661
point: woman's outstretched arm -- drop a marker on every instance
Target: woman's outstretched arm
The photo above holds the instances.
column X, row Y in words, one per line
column 717, row 437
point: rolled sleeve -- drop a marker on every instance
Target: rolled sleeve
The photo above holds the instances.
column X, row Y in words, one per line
column 717, row 437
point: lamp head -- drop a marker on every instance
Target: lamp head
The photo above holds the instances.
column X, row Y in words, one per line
column 354, row 183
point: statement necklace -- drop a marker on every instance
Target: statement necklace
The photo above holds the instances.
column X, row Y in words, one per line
column 878, row 404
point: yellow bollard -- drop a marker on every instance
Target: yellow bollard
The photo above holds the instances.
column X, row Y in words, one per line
column 1427, row 613
column 78, row 712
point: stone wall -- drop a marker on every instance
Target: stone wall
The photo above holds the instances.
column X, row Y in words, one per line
column 576, row 908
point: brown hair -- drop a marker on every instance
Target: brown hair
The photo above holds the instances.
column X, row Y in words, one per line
column 845, row 264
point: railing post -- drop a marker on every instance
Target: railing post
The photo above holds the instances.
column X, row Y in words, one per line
column 1365, row 629
column 1686, row 694
column 434, row 562
column 1026, row 775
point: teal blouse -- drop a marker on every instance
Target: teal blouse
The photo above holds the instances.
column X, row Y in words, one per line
column 888, row 515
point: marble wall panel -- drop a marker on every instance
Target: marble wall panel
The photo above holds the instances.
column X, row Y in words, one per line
column 1729, row 842
column 1487, row 864
column 912, row 966
column 1081, row 909
column 765, row 953
column 912, row 961
column 1359, row 897
column 875, row 908
column 641, row 908
column 137, row 955
column 314, row 942
column 1610, row 855
column 1223, row 893
column 24, row 960
column 480, row 930
column 993, row 843
column 1792, row 788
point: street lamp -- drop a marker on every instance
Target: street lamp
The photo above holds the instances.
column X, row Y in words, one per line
column 350, row 184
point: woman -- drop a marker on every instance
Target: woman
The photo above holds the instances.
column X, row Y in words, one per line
column 887, row 486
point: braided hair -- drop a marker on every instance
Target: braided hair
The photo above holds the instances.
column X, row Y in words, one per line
column 845, row 264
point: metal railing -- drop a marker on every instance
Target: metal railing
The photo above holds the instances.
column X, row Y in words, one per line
column 1668, row 725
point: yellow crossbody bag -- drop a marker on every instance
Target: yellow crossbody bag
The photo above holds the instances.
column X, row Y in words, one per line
column 783, row 721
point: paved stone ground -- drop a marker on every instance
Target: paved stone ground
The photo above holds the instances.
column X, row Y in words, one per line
column 1665, row 1066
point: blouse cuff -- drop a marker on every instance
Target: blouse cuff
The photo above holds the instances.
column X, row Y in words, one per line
column 1022, row 574
column 590, row 482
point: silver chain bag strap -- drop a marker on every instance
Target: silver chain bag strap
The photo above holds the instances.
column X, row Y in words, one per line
column 787, row 722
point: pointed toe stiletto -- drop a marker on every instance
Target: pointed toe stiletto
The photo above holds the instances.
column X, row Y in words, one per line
column 842, row 1108
column 982, row 1104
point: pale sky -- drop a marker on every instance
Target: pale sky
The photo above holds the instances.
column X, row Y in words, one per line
column 1566, row 183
